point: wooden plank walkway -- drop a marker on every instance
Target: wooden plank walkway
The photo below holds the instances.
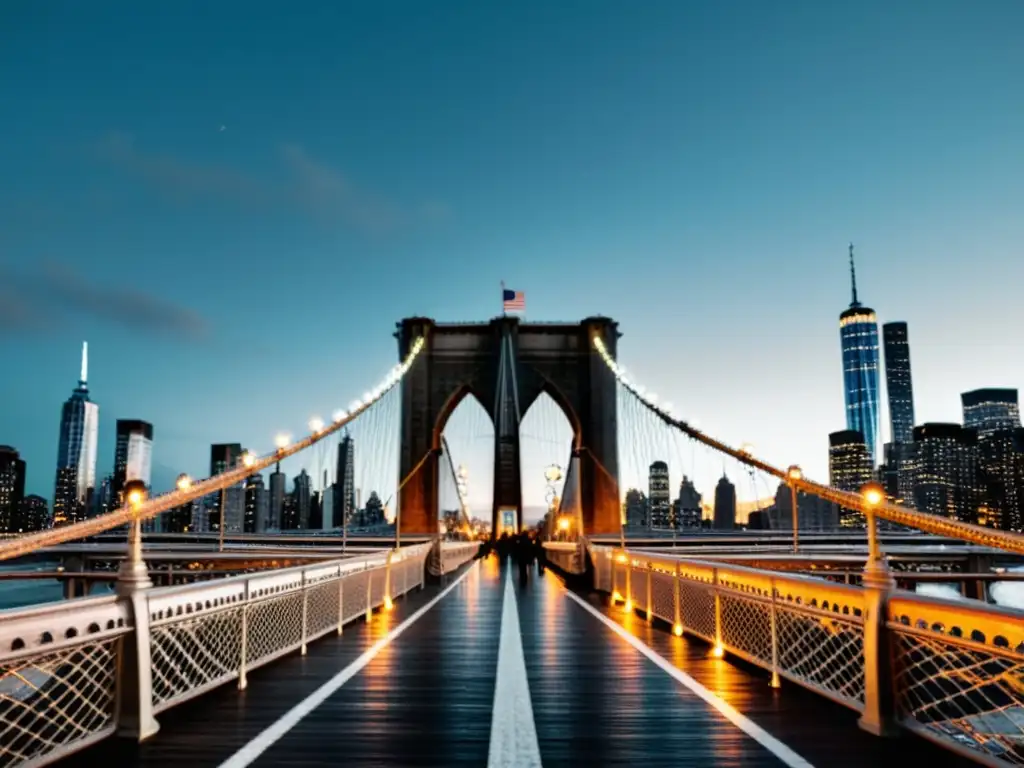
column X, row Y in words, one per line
column 426, row 699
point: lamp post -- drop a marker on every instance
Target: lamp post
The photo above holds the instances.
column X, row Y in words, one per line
column 552, row 474
column 795, row 475
column 876, row 569
column 132, row 575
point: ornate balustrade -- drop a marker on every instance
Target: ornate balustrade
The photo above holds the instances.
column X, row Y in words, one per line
column 74, row 672
column 952, row 671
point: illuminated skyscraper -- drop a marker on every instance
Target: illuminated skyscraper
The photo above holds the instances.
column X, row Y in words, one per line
column 858, row 334
column 849, row 468
column 946, row 477
column 990, row 410
column 658, row 495
column 898, row 382
column 12, row 489
column 76, row 452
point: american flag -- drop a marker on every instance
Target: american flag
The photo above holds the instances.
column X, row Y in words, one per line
column 513, row 301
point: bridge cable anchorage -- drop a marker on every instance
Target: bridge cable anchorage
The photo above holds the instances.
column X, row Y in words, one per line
column 157, row 505
column 894, row 513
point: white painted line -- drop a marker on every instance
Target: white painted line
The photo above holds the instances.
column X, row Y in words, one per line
column 272, row 734
column 730, row 713
column 514, row 741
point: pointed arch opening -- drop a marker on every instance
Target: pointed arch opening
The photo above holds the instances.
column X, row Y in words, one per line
column 464, row 435
column 548, row 434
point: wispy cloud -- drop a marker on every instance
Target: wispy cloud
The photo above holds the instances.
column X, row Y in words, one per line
column 309, row 186
column 35, row 300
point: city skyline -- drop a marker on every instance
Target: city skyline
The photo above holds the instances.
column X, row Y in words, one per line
column 654, row 198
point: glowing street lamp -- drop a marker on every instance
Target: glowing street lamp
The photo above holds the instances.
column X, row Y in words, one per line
column 248, row 459
column 873, row 495
column 282, row 441
column 184, row 482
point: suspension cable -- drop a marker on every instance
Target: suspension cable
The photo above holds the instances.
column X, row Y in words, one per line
column 923, row 521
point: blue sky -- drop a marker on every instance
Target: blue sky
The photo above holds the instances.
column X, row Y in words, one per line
column 234, row 203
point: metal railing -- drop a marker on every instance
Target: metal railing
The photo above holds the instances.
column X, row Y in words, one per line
column 75, row 672
column 952, row 671
column 451, row 555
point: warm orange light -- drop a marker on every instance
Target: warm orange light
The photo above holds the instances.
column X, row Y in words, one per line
column 718, row 652
column 616, row 596
column 677, row 630
column 873, row 494
column 563, row 523
column 622, row 559
column 248, row 459
column 794, row 473
column 388, row 605
column 184, row 482
column 135, row 497
column 628, row 606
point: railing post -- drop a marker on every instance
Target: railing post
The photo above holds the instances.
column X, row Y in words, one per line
column 878, row 583
column 387, row 581
column 719, row 649
column 305, row 612
column 650, row 590
column 243, row 679
column 629, row 583
column 615, row 582
column 369, row 594
column 775, row 636
column 341, row 600
column 135, row 668
column 677, row 625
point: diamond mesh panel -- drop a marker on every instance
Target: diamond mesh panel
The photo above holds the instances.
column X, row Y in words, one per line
column 824, row 651
column 961, row 692
column 51, row 701
column 663, row 596
column 322, row 608
column 275, row 625
column 355, row 595
column 195, row 652
column 747, row 626
column 697, row 607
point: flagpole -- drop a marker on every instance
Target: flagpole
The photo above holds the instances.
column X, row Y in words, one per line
column 503, row 313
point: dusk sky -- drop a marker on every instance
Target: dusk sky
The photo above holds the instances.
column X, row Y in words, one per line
column 234, row 203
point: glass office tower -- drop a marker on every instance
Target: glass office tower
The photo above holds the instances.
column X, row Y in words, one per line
column 858, row 334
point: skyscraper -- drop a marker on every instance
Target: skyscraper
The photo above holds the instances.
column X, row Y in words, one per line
column 33, row 514
column 658, row 494
column 849, row 468
column 725, row 505
column 76, row 451
column 12, row 489
column 303, row 497
column 225, row 456
column 858, row 335
column 256, row 504
column 898, row 382
column 946, row 477
column 345, row 493
column 133, row 456
column 278, row 492
column 687, row 506
column 990, row 410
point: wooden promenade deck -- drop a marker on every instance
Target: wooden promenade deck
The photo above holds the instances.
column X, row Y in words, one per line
column 427, row 698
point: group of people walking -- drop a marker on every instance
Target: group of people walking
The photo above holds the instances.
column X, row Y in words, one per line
column 523, row 548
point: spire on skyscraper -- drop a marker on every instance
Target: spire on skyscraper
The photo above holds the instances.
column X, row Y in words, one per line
column 853, row 279
column 84, row 378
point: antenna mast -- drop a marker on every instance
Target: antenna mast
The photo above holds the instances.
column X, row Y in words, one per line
column 853, row 279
